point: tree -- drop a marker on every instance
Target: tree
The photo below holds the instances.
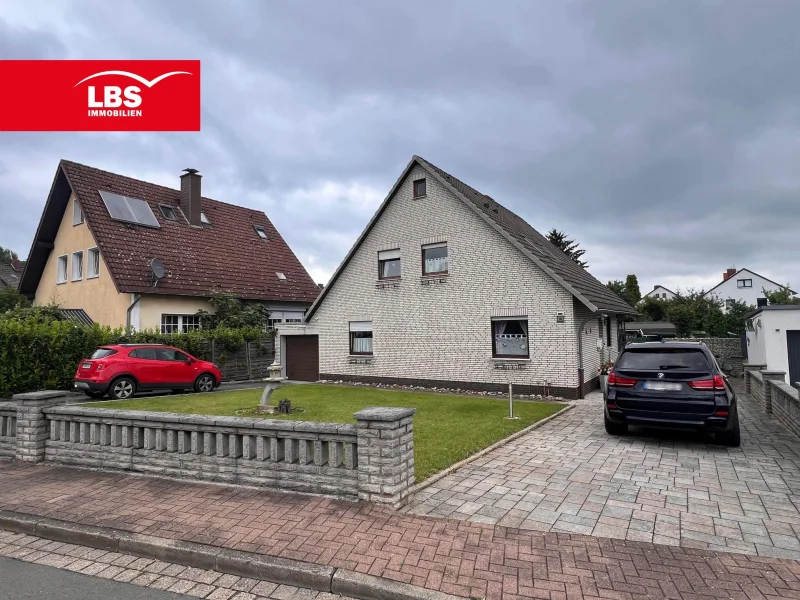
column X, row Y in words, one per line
column 7, row 255
column 632, row 293
column 10, row 299
column 780, row 296
column 618, row 287
column 652, row 309
column 735, row 316
column 569, row 247
column 232, row 313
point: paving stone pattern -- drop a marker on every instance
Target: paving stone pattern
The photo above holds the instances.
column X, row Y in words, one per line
column 663, row 487
column 145, row 572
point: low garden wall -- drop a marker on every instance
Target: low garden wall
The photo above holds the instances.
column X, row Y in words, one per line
column 372, row 459
column 725, row 349
column 8, row 428
column 774, row 395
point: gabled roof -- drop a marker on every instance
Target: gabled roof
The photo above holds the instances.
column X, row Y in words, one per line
column 227, row 255
column 655, row 287
column 10, row 277
column 752, row 273
column 550, row 258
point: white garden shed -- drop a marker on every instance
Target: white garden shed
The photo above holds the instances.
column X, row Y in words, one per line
column 773, row 339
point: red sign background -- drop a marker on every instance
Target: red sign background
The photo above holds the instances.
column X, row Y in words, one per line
column 45, row 95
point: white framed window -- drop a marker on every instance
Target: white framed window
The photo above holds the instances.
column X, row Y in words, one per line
column 62, row 269
column 77, row 213
column 92, row 263
column 434, row 259
column 361, row 337
column 262, row 233
column 510, row 337
column 179, row 323
column 276, row 317
column 77, row 266
column 744, row 283
column 280, row 275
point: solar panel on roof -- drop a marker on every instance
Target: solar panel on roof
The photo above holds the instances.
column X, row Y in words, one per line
column 130, row 210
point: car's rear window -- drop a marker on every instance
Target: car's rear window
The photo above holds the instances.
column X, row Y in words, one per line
column 663, row 359
column 102, row 353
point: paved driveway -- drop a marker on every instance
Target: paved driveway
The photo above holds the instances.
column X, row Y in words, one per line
column 668, row 488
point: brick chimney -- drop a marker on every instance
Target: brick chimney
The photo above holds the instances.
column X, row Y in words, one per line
column 15, row 264
column 728, row 274
column 190, row 196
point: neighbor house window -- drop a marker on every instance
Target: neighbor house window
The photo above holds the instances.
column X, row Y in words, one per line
column 664, row 295
column 167, row 212
column 62, row 269
column 93, row 263
column 389, row 264
column 419, row 188
column 744, row 283
column 510, row 337
column 179, row 323
column 261, row 232
column 77, row 266
column 434, row 259
column 728, row 304
column 77, row 213
column 361, row 337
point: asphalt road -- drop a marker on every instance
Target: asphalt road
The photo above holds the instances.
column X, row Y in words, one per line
column 28, row 581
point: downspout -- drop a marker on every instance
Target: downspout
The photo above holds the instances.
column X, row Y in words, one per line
column 580, row 351
column 128, row 314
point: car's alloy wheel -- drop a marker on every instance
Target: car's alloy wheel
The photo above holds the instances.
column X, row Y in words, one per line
column 205, row 383
column 122, row 389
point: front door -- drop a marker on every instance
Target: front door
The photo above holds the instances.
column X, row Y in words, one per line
column 793, row 349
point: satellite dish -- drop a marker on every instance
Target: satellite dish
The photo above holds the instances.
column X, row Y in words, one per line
column 157, row 269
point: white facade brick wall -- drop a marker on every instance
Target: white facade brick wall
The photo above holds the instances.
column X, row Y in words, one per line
column 442, row 331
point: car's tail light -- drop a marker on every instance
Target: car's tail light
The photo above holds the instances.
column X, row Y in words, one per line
column 715, row 383
column 620, row 381
column 721, row 413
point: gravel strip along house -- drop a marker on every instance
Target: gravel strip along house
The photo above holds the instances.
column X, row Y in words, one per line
column 447, row 288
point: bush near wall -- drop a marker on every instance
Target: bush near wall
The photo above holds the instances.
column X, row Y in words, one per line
column 35, row 356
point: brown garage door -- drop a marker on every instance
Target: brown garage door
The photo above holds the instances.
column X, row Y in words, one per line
column 302, row 357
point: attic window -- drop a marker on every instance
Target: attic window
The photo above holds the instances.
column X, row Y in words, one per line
column 419, row 188
column 167, row 212
column 260, row 231
column 77, row 213
column 280, row 275
column 204, row 219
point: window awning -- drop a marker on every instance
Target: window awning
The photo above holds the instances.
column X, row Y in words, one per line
column 388, row 254
column 360, row 325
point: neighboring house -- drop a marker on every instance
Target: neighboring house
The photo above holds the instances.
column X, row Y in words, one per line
column 11, row 274
column 446, row 287
column 100, row 231
column 661, row 293
column 634, row 329
column 773, row 339
column 745, row 286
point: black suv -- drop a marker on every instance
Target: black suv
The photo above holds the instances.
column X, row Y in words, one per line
column 674, row 385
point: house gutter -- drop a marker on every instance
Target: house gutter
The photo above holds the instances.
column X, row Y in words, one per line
column 580, row 350
column 128, row 314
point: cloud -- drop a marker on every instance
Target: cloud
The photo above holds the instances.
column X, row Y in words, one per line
column 660, row 135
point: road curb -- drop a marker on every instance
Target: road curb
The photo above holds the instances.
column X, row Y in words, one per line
column 321, row 578
column 442, row 474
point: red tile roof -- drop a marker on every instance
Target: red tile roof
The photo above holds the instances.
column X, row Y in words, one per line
column 227, row 255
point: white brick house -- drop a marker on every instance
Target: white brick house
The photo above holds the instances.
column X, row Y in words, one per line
column 445, row 287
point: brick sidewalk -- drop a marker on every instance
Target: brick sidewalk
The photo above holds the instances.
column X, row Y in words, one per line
column 458, row 557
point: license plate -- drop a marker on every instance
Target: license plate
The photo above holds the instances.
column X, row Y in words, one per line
column 86, row 366
column 662, row 386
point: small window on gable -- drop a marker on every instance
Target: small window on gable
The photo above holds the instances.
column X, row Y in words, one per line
column 62, row 269
column 361, row 337
column 389, row 264
column 77, row 213
column 510, row 337
column 167, row 212
column 744, row 283
column 77, row 266
column 262, row 233
column 434, row 259
column 419, row 188
column 280, row 275
column 204, row 219
column 93, row 263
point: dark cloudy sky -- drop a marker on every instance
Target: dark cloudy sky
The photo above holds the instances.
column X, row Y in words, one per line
column 664, row 136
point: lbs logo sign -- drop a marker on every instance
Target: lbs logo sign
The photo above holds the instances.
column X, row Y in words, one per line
column 100, row 95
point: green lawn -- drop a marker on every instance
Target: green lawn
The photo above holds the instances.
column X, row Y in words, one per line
column 447, row 429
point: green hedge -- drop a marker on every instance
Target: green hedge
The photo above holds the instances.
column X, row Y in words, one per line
column 36, row 356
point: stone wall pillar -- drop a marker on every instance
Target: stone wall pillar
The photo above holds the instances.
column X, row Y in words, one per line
column 747, row 368
column 775, row 376
column 32, row 424
column 385, row 454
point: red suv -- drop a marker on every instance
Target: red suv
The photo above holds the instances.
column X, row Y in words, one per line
column 121, row 370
